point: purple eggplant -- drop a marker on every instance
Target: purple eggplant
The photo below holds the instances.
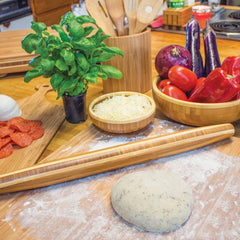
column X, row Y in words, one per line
column 212, row 59
column 193, row 45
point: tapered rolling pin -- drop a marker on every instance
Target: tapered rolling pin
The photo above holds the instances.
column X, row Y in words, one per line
column 86, row 164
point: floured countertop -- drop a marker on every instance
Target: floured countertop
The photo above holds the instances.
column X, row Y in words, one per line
column 81, row 209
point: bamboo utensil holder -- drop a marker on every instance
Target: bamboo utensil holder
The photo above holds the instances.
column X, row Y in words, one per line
column 136, row 65
column 86, row 164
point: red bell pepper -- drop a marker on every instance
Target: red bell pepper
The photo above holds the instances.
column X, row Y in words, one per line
column 231, row 65
column 174, row 92
column 216, row 87
column 199, row 81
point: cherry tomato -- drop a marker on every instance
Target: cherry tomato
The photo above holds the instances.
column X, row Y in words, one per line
column 182, row 77
column 163, row 83
column 174, row 92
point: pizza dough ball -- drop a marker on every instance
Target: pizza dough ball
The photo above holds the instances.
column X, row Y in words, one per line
column 152, row 200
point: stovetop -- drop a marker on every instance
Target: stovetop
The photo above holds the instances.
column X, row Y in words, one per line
column 225, row 23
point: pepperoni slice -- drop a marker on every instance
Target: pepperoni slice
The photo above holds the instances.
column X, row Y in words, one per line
column 4, row 141
column 6, row 151
column 5, row 131
column 20, row 124
column 35, row 122
column 36, row 132
column 21, row 139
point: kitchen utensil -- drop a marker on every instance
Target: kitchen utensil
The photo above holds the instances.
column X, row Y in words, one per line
column 97, row 9
column 35, row 107
column 136, row 66
column 193, row 113
column 121, row 126
column 111, row 158
column 116, row 11
column 131, row 7
column 147, row 12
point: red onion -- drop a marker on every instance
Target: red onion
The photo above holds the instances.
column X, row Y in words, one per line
column 172, row 55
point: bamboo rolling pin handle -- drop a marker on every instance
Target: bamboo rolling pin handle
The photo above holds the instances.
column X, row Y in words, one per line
column 86, row 164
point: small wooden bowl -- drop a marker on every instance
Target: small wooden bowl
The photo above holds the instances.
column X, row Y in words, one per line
column 121, row 126
column 195, row 114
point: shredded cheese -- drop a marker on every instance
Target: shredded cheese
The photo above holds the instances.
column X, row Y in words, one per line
column 121, row 107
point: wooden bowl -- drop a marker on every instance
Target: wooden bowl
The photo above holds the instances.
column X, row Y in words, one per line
column 121, row 126
column 195, row 114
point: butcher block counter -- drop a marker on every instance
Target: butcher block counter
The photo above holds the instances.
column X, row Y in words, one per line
column 81, row 209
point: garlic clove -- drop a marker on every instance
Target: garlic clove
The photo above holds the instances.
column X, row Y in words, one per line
column 8, row 108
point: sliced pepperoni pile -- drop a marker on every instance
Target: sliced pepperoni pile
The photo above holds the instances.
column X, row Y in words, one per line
column 18, row 132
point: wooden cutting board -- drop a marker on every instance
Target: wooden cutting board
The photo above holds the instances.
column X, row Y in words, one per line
column 35, row 107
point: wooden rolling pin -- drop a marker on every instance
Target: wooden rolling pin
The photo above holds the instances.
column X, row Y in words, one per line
column 86, row 164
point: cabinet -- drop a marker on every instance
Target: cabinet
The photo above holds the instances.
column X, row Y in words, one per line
column 50, row 11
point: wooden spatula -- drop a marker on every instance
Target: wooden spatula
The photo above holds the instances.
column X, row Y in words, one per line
column 116, row 11
column 97, row 9
column 147, row 12
column 86, row 164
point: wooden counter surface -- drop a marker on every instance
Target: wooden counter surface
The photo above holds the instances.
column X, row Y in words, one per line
column 81, row 209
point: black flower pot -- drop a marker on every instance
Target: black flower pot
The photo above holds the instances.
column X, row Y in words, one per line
column 75, row 108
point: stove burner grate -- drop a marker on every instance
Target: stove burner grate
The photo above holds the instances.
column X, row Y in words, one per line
column 235, row 14
column 226, row 26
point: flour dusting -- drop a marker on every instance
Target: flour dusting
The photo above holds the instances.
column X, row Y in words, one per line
column 81, row 209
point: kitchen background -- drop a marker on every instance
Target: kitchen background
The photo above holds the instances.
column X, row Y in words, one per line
column 18, row 14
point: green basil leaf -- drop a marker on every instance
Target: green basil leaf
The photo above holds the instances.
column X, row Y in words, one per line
column 68, row 56
column 81, row 87
column 75, row 29
column 56, row 80
column 30, row 42
column 111, row 71
column 47, row 64
column 113, row 50
column 73, row 69
column 66, row 45
column 44, row 52
column 91, row 77
column 102, row 75
column 83, row 44
column 103, row 57
column 85, row 19
column 61, row 65
column 63, row 35
column 35, row 62
column 88, row 30
column 82, row 62
column 65, row 19
column 38, row 27
column 52, row 39
column 94, row 68
column 33, row 73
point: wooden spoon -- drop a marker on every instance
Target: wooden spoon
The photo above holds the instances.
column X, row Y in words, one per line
column 131, row 7
column 97, row 9
column 147, row 12
column 116, row 11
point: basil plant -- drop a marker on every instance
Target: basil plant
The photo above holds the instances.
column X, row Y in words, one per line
column 71, row 58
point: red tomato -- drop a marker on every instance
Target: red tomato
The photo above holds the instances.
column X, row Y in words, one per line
column 199, row 81
column 174, row 92
column 182, row 77
column 163, row 83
